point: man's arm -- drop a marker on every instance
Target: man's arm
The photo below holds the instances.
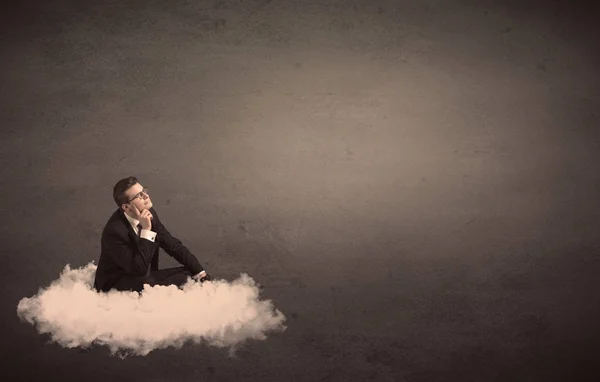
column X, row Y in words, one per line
column 174, row 248
column 133, row 258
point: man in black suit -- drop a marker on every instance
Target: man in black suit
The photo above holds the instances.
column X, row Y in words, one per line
column 130, row 243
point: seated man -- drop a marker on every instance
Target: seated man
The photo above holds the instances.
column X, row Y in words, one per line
column 130, row 243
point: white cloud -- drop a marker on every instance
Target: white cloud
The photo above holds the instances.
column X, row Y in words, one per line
column 221, row 313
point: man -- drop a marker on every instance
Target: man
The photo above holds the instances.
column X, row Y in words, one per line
column 130, row 243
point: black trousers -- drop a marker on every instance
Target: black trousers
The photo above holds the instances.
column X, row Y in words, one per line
column 170, row 276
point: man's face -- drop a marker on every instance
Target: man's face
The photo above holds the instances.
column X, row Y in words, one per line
column 142, row 200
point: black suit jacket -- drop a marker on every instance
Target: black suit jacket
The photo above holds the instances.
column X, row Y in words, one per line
column 123, row 253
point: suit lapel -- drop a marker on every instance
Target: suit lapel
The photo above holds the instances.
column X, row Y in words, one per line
column 130, row 231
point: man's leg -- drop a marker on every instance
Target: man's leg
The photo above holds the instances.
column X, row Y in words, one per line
column 171, row 276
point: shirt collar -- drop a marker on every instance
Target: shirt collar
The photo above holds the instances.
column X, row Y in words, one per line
column 134, row 223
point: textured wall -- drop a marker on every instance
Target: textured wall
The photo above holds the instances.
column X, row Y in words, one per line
column 414, row 183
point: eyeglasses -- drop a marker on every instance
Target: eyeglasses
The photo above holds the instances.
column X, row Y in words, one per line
column 139, row 195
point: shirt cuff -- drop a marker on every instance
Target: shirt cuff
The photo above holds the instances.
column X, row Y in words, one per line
column 148, row 235
column 201, row 274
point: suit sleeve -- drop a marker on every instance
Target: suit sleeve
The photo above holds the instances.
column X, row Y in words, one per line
column 134, row 259
column 173, row 246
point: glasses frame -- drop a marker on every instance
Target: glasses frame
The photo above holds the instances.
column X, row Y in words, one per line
column 139, row 195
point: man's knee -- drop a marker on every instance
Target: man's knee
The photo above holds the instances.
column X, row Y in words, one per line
column 134, row 283
column 149, row 279
column 187, row 272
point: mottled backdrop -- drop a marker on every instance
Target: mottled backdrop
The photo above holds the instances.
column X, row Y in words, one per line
column 415, row 184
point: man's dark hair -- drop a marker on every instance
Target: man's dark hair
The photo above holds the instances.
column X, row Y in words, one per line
column 120, row 188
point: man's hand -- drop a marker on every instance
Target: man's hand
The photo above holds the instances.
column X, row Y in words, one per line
column 202, row 277
column 144, row 216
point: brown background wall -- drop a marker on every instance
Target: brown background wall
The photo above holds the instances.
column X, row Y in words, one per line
column 414, row 183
